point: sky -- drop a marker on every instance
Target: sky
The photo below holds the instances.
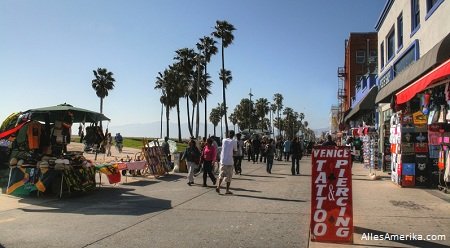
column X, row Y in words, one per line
column 49, row 49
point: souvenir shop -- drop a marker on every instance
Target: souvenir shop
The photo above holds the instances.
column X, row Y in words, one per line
column 419, row 133
column 34, row 145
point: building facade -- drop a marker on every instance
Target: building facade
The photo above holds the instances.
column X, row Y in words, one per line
column 414, row 60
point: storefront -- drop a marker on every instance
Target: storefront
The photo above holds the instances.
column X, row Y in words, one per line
column 403, row 121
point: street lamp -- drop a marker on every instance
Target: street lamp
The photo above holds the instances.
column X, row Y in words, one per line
column 250, row 113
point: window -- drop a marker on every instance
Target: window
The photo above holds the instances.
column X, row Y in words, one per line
column 400, row 32
column 415, row 16
column 432, row 5
column 382, row 54
column 360, row 56
column 390, row 49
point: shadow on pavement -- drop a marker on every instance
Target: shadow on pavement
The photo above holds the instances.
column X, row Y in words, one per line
column 241, row 178
column 269, row 198
column 413, row 243
column 247, row 175
column 140, row 183
column 106, row 201
column 171, row 177
column 246, row 190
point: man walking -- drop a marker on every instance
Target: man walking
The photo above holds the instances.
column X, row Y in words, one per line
column 226, row 161
column 237, row 156
column 296, row 156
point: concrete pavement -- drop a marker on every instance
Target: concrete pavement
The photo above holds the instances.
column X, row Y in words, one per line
column 266, row 210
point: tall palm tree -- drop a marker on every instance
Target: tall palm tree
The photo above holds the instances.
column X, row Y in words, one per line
column 224, row 32
column 215, row 117
column 166, row 83
column 273, row 109
column 289, row 113
column 102, row 83
column 278, row 99
column 207, row 46
column 184, row 66
column 262, row 108
column 233, row 120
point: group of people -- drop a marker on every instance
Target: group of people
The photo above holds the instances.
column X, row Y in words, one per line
column 230, row 159
column 108, row 142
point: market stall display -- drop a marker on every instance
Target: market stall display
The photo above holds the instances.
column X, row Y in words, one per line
column 36, row 143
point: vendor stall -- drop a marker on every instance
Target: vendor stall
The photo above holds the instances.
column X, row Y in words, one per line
column 37, row 150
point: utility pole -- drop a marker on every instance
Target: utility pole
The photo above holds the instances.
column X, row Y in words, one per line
column 250, row 113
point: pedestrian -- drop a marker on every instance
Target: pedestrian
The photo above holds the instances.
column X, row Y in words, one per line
column 237, row 156
column 329, row 141
column 248, row 148
column 256, row 145
column 166, row 149
column 287, row 149
column 226, row 162
column 263, row 150
column 119, row 142
column 295, row 152
column 279, row 147
column 192, row 157
column 108, row 144
column 270, row 153
column 208, row 158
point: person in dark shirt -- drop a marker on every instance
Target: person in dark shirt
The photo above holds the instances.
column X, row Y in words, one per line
column 295, row 153
column 329, row 141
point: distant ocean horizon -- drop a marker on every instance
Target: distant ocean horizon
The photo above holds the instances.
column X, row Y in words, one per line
column 153, row 130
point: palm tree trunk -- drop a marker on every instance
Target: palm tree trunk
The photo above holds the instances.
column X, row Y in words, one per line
column 179, row 123
column 223, row 91
column 101, row 110
column 188, row 116
column 206, row 120
column 215, row 130
column 192, row 119
column 167, row 120
column 160, row 134
column 198, row 120
column 206, row 109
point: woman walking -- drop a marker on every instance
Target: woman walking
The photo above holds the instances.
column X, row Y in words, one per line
column 208, row 158
column 192, row 156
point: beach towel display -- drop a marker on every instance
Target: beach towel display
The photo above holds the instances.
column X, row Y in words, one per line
column 156, row 160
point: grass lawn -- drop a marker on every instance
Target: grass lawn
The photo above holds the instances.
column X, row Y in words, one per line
column 133, row 142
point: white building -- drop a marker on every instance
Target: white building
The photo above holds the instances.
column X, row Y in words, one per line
column 413, row 38
column 414, row 52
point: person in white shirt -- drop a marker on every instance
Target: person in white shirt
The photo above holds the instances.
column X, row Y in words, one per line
column 226, row 161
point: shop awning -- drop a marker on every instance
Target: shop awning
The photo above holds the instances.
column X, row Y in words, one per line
column 439, row 73
column 367, row 103
column 438, row 54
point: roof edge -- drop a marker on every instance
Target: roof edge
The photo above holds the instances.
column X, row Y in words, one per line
column 383, row 15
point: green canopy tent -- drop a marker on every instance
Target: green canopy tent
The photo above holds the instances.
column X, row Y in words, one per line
column 57, row 113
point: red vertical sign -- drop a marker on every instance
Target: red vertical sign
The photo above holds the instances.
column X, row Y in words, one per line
column 331, row 195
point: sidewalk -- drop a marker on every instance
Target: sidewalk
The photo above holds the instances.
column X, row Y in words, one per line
column 381, row 207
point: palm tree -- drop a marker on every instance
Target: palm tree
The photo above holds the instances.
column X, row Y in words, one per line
column 273, row 109
column 207, row 47
column 224, row 32
column 262, row 108
column 166, row 83
column 289, row 113
column 278, row 99
column 233, row 119
column 215, row 117
column 185, row 58
column 102, row 83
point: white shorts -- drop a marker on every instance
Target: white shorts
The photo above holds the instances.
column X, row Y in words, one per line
column 226, row 171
